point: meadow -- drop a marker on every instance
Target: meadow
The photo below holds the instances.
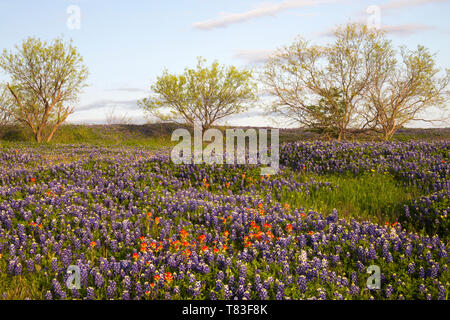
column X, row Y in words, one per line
column 140, row 227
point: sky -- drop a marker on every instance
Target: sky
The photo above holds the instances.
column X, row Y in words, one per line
column 127, row 44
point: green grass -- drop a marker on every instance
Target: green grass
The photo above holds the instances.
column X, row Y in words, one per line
column 372, row 196
column 20, row 287
column 151, row 136
column 111, row 136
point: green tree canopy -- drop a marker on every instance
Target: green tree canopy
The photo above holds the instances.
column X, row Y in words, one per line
column 45, row 81
column 204, row 94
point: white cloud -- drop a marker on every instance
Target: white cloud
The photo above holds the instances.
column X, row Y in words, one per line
column 399, row 4
column 262, row 10
column 128, row 89
column 100, row 104
column 403, row 29
column 407, row 29
column 253, row 56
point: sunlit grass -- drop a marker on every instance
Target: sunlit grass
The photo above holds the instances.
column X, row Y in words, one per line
column 18, row 287
column 372, row 196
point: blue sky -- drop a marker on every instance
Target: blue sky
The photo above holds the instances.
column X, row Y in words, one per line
column 127, row 44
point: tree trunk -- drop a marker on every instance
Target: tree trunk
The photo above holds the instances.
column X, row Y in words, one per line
column 340, row 135
column 37, row 136
column 390, row 135
column 386, row 135
column 52, row 132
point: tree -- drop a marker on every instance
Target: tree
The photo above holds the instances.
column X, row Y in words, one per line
column 325, row 86
column 45, row 81
column 399, row 92
column 5, row 119
column 204, row 94
column 328, row 114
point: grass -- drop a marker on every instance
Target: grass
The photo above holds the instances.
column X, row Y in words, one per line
column 119, row 135
column 90, row 135
column 159, row 134
column 375, row 197
column 19, row 287
column 371, row 196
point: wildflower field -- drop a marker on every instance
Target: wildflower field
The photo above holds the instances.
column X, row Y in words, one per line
column 140, row 227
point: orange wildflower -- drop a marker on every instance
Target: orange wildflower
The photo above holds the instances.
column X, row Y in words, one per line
column 168, row 277
column 184, row 233
column 259, row 235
